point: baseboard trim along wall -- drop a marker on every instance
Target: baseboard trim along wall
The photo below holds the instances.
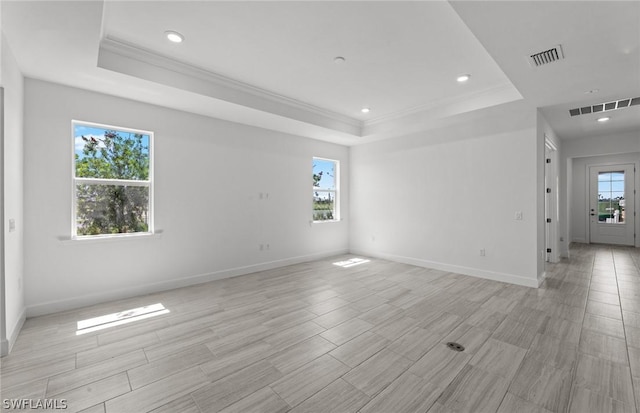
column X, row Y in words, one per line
column 90, row 299
column 474, row 272
column 541, row 277
column 7, row 345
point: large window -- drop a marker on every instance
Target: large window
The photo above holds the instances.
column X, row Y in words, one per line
column 611, row 197
column 112, row 181
column 325, row 190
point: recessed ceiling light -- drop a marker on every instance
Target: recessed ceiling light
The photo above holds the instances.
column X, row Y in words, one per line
column 463, row 78
column 605, row 119
column 365, row 110
column 174, row 37
column 339, row 60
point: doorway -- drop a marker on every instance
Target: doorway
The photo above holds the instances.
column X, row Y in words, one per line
column 611, row 204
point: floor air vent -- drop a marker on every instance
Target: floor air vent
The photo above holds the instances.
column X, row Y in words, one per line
column 604, row 107
column 455, row 346
column 547, row 56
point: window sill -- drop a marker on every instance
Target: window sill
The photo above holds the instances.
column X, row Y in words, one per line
column 327, row 221
column 110, row 238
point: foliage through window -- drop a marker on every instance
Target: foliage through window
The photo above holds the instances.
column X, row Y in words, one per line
column 611, row 199
column 325, row 190
column 112, row 172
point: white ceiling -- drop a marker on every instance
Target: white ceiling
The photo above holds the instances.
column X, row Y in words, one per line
column 271, row 64
column 601, row 43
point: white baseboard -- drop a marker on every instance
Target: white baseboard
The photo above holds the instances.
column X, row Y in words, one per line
column 474, row 272
column 541, row 278
column 7, row 345
column 51, row 307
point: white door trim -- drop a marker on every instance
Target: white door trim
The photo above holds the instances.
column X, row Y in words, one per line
column 636, row 184
column 552, row 206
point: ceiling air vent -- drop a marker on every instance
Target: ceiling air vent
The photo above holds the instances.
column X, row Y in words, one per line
column 546, row 57
column 603, row 107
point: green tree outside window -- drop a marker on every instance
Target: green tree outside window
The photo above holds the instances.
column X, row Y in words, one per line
column 112, row 180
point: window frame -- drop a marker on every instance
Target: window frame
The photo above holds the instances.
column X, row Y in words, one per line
column 149, row 183
column 336, row 192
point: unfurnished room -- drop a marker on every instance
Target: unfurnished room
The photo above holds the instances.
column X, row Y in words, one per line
column 319, row 206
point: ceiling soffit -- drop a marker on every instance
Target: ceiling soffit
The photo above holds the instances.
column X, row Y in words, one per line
column 123, row 57
column 128, row 59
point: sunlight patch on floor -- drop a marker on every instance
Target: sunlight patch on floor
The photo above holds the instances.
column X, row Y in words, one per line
column 122, row 317
column 351, row 262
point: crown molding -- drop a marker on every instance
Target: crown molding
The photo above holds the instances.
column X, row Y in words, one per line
column 123, row 57
column 129, row 59
column 448, row 104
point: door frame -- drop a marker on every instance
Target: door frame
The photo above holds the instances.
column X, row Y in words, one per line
column 4, row 343
column 552, row 206
column 636, row 220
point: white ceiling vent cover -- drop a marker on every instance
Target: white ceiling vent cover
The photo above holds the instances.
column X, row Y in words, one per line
column 546, row 57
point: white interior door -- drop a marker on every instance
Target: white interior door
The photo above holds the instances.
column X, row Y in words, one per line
column 611, row 204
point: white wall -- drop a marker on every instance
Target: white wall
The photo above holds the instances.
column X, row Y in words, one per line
column 438, row 197
column 602, row 145
column 208, row 177
column 571, row 203
column 12, row 151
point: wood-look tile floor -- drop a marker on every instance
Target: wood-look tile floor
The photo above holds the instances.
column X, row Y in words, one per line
column 316, row 337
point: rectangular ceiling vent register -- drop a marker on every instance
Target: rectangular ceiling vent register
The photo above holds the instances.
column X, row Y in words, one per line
column 604, row 107
column 547, row 56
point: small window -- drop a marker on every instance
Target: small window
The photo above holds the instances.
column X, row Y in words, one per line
column 112, row 181
column 325, row 190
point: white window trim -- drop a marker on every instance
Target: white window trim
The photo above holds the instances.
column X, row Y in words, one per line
column 124, row 182
column 336, row 192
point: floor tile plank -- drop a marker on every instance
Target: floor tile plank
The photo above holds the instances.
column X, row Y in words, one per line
column 263, row 400
column 304, row 382
column 377, row 372
column 78, row 377
column 407, row 394
column 94, row 393
column 338, row 396
column 474, row 390
column 216, row 396
column 360, row 349
column 158, row 393
column 543, row 385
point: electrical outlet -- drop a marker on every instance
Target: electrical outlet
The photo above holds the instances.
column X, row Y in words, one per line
column 519, row 215
column 12, row 225
column 482, row 252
